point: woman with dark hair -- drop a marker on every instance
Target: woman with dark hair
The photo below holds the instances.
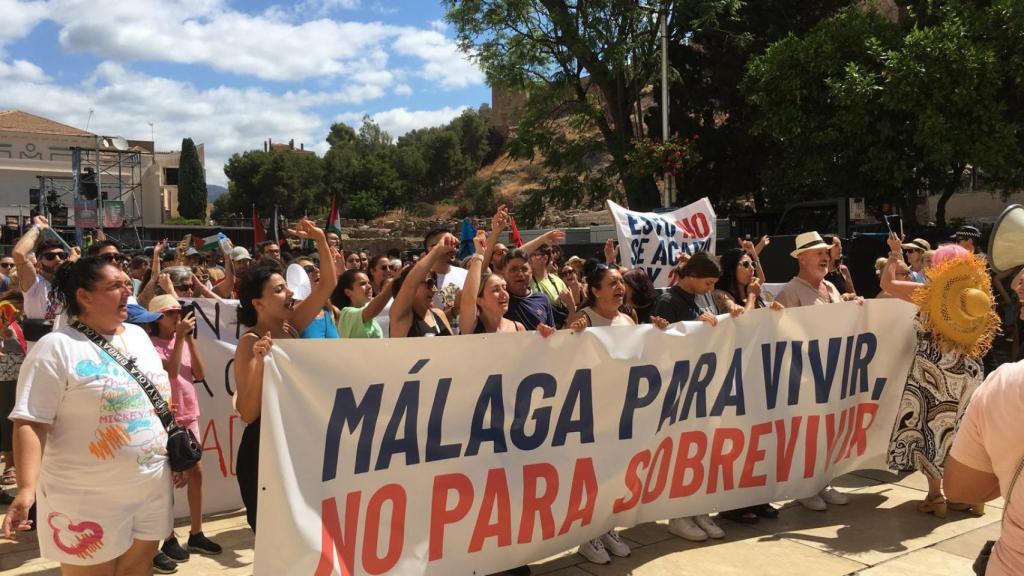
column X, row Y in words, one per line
column 738, row 289
column 640, row 294
column 485, row 301
column 574, row 282
column 267, row 307
column 104, row 487
column 359, row 307
column 413, row 313
column 383, row 272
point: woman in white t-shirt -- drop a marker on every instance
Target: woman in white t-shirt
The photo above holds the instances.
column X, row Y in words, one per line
column 104, row 487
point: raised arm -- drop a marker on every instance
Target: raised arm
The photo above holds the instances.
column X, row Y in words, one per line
column 308, row 309
column 467, row 307
column 376, row 306
column 549, row 237
column 227, row 285
column 26, row 244
column 149, row 290
column 498, row 224
column 402, row 306
column 899, row 288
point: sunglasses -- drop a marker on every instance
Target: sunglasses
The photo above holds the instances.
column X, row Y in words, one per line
column 113, row 257
column 309, row 268
column 55, row 256
column 748, row 264
column 567, row 272
column 183, row 288
column 6, row 264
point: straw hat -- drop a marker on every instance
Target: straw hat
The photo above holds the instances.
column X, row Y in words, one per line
column 918, row 244
column 808, row 241
column 958, row 305
column 163, row 303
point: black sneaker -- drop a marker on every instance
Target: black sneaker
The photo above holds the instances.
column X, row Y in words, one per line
column 174, row 550
column 162, row 564
column 203, row 545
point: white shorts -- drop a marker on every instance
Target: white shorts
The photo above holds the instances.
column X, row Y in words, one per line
column 93, row 525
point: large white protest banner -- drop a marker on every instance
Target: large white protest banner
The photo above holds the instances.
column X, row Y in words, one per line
column 220, row 429
column 652, row 241
column 437, row 456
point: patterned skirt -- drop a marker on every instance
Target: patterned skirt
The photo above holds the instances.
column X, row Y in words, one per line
column 938, row 389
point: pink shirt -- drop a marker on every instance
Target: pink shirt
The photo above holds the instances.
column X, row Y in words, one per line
column 989, row 440
column 183, row 391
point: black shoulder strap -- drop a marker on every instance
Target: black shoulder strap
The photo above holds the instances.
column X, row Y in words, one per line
column 163, row 411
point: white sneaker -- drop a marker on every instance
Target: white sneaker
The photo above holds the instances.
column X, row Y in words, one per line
column 685, row 527
column 708, row 526
column 833, row 496
column 593, row 550
column 613, row 543
column 814, row 503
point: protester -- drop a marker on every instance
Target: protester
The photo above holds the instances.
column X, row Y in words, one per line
column 985, row 461
column 235, row 266
column 382, row 272
column 364, row 261
column 267, row 308
column 42, row 303
column 485, row 313
column 550, row 285
column 413, row 313
column 172, row 336
column 915, row 250
column 690, row 299
column 333, row 240
column 838, row 273
column 529, row 308
column 944, row 372
column 577, row 288
column 360, row 308
column 137, row 269
column 739, row 289
column 449, row 278
column 269, row 249
column 6, row 271
column 116, row 484
column 808, row 288
column 12, row 345
column 351, row 260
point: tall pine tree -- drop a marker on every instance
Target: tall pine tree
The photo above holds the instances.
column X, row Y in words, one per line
column 191, row 183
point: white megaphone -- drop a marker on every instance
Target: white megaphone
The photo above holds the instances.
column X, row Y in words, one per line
column 1006, row 246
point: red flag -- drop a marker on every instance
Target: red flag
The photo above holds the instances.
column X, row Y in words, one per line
column 258, row 233
column 517, row 240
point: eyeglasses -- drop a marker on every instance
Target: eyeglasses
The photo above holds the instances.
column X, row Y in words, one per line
column 55, row 256
column 6, row 264
column 748, row 264
column 309, row 268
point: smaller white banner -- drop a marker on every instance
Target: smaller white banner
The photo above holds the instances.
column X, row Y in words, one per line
column 653, row 241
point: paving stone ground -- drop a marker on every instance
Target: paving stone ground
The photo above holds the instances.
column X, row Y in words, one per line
column 880, row 533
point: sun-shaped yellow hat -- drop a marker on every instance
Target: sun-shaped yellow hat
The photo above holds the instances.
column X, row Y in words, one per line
column 958, row 305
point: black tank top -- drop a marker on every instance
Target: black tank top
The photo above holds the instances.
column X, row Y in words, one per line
column 420, row 328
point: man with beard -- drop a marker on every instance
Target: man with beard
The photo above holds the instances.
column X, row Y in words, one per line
column 809, row 288
column 36, row 275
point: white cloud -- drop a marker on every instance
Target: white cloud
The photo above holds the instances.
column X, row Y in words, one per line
column 21, row 70
column 439, row 25
column 272, row 46
column 398, row 121
column 17, row 19
column 403, row 90
column 444, row 63
column 227, row 120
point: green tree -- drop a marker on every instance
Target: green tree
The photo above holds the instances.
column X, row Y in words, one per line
column 291, row 181
column 891, row 108
column 191, row 182
column 583, row 65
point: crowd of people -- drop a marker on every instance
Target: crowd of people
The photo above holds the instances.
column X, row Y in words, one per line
column 113, row 480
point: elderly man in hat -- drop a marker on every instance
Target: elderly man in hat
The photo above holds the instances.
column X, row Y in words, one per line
column 809, row 288
column 915, row 250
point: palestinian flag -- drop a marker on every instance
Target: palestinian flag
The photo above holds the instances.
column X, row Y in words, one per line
column 210, row 242
column 334, row 218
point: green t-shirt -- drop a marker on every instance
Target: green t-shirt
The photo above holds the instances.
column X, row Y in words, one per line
column 551, row 286
column 351, row 324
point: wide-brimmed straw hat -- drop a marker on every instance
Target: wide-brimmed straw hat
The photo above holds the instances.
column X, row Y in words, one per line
column 808, row 241
column 958, row 305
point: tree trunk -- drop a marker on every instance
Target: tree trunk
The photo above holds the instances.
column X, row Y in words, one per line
column 950, row 188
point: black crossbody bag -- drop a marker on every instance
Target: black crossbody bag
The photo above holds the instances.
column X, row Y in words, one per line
column 183, row 449
column 981, row 562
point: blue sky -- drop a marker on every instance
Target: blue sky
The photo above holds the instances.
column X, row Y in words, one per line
column 231, row 74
